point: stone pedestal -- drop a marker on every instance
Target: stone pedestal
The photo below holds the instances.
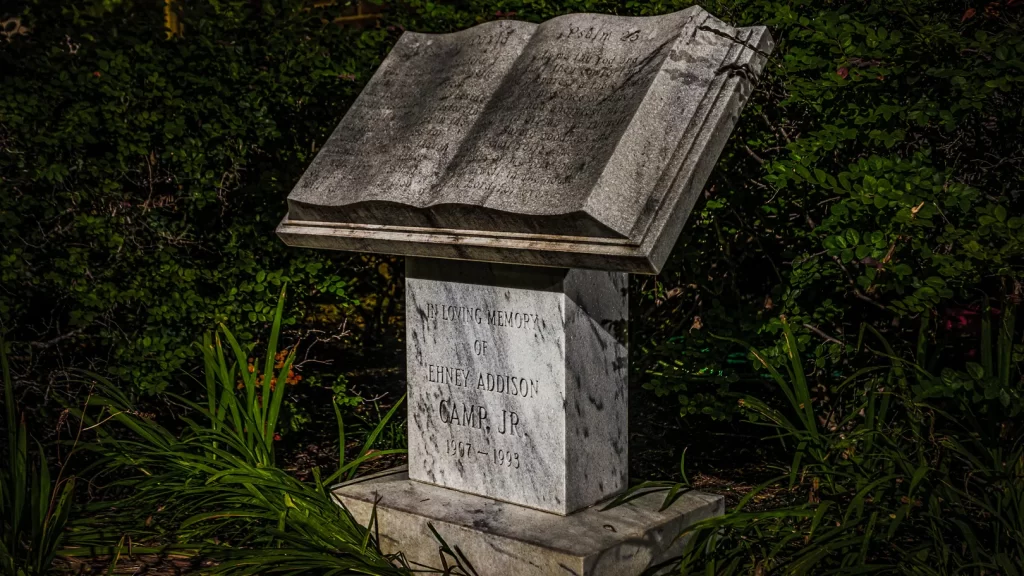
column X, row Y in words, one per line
column 517, row 405
column 517, row 381
column 502, row 539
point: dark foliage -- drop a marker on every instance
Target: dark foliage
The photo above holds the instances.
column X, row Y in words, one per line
column 874, row 180
column 142, row 177
column 874, row 176
column 901, row 472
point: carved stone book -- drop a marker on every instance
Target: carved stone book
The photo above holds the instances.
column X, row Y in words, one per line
column 580, row 142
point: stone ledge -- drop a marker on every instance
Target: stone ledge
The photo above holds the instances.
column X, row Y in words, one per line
column 481, row 246
column 500, row 538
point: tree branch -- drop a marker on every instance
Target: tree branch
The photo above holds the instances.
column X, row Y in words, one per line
column 57, row 340
column 856, row 290
column 821, row 333
column 754, row 155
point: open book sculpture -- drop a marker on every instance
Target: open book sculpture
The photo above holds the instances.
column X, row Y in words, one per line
column 580, row 142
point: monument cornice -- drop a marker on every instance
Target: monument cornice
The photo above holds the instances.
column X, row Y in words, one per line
column 477, row 245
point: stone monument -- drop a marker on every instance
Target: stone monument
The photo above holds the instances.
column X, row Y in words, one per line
column 526, row 170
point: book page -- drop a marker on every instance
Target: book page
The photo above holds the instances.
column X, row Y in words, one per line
column 394, row 142
column 544, row 139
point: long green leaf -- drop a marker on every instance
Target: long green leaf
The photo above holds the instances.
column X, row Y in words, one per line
column 268, row 367
column 376, row 432
column 341, row 434
column 278, row 398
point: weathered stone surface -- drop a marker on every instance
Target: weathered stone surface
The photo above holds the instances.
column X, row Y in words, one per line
column 580, row 142
column 517, row 381
column 503, row 539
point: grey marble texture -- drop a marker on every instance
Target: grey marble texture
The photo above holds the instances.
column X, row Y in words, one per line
column 517, row 381
column 580, row 142
column 502, row 539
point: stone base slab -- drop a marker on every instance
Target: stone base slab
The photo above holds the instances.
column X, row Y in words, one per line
column 504, row 539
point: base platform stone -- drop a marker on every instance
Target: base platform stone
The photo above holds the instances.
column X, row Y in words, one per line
column 504, row 539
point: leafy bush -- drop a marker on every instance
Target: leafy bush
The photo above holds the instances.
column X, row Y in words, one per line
column 217, row 481
column 142, row 177
column 893, row 475
column 875, row 177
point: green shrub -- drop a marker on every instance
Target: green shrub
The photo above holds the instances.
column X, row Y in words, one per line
column 874, row 179
column 874, row 176
column 142, row 177
column 34, row 507
column 214, row 489
column 892, row 475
